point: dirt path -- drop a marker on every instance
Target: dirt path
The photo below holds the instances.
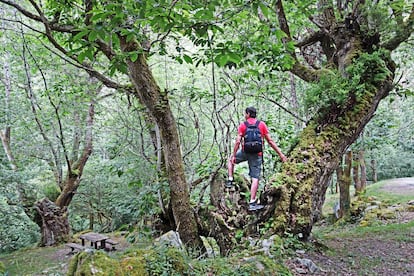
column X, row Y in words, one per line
column 400, row 186
column 388, row 252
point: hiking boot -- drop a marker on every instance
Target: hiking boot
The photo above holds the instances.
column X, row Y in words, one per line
column 253, row 206
column 229, row 184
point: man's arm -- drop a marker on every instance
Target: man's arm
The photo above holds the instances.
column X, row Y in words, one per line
column 275, row 147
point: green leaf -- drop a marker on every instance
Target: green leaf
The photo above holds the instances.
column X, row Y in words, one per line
column 264, row 9
column 92, row 36
column 100, row 16
column 133, row 56
column 82, row 56
column 204, row 14
column 234, row 57
column 89, row 53
column 80, row 35
column 130, row 37
column 221, row 59
column 188, row 59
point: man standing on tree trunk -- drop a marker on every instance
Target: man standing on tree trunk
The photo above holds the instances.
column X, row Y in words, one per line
column 251, row 133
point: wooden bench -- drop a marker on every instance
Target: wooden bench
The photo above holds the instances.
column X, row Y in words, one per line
column 110, row 245
column 75, row 247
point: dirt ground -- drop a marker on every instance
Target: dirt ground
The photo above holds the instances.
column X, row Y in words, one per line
column 373, row 254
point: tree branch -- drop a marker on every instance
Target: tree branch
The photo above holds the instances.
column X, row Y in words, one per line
column 403, row 32
column 298, row 69
column 22, row 10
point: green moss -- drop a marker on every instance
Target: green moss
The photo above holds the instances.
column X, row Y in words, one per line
column 2, row 268
column 93, row 263
column 240, row 265
column 134, row 265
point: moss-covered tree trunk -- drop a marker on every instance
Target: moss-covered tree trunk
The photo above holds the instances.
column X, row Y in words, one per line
column 313, row 160
column 356, row 58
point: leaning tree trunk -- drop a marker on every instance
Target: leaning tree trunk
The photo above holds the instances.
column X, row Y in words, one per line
column 156, row 101
column 337, row 125
column 314, row 159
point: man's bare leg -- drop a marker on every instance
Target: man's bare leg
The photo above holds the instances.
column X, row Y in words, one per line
column 253, row 189
column 230, row 167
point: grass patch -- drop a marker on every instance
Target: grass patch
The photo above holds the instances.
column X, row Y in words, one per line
column 33, row 261
column 397, row 232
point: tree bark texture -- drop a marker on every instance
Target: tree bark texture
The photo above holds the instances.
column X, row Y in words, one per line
column 53, row 222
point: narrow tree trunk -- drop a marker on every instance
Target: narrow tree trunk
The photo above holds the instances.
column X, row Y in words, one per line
column 374, row 171
column 344, row 185
column 363, row 170
column 5, row 135
column 355, row 174
column 294, row 101
column 5, row 139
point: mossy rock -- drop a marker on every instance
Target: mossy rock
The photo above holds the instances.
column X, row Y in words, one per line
column 93, row 263
column 386, row 214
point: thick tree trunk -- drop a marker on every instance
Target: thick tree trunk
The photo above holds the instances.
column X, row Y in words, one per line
column 338, row 124
column 156, row 101
column 53, row 222
column 70, row 186
column 311, row 163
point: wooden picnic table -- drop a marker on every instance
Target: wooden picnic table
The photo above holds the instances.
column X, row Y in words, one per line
column 94, row 238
